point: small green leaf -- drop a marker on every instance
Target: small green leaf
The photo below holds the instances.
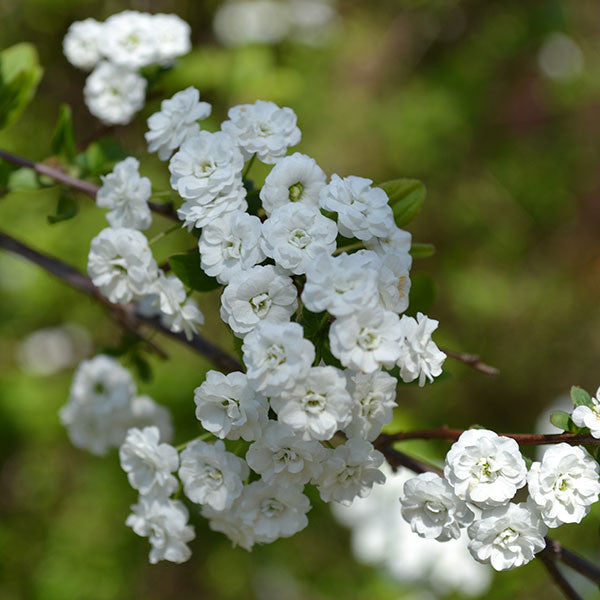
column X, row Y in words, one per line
column 422, row 294
column 237, row 346
column 422, row 250
column 580, row 397
column 406, row 196
column 101, row 156
column 66, row 208
column 187, row 268
column 562, row 420
column 23, row 179
column 63, row 141
column 142, row 366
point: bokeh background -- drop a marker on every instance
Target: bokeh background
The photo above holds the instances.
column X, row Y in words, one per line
column 495, row 105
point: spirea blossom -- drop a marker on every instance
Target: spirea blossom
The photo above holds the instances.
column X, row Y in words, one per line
column 126, row 194
column 211, row 475
column 121, row 264
column 171, row 37
column 295, row 234
column 564, row 484
column 396, row 241
column 262, row 128
column 129, row 39
column 507, row 536
column 82, row 43
column 431, row 508
column 148, row 463
column 229, row 408
column 317, row 406
column 146, row 412
column 230, row 523
column 589, row 416
column 295, row 178
column 176, row 121
column 485, row 468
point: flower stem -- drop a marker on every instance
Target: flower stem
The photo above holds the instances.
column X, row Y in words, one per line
column 248, row 166
column 349, row 247
column 205, row 436
column 162, row 234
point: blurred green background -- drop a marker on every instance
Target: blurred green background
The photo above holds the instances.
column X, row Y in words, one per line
column 476, row 98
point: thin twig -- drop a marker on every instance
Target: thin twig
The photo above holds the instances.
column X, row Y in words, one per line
column 472, row 360
column 574, row 561
column 549, row 561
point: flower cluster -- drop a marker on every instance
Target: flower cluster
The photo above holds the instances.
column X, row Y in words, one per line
column 482, row 474
column 116, row 50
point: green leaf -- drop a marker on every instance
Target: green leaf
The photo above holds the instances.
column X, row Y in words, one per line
column 20, row 73
column 422, row 250
column 187, row 268
column 142, row 366
column 406, row 196
column 101, row 156
column 237, row 346
column 63, row 141
column 422, row 294
column 562, row 420
column 23, row 179
column 66, row 209
column 580, row 397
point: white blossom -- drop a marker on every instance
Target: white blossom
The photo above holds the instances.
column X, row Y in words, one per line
column 485, row 468
column 276, row 356
column 273, row 511
column 420, row 358
column 148, row 463
column 171, row 37
column 373, row 401
column 82, row 43
column 165, row 523
column 431, row 508
column 262, row 128
column 114, row 94
column 350, row 471
column 363, row 211
column 211, row 475
column 126, row 194
column 589, row 416
column 397, row 241
column 230, row 523
column 129, row 39
column 229, row 408
column 295, row 234
column 145, row 412
column 295, row 178
column 564, row 484
column 262, row 293
column 121, row 264
column 230, row 244
column 507, row 536
column 367, row 340
column 317, row 406
column 176, row 121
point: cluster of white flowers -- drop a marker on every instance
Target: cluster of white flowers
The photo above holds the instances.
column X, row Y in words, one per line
column 482, row 474
column 116, row 50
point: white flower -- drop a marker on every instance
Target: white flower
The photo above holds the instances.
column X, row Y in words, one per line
column 431, row 508
column 81, row 44
column 145, row 412
column 341, row 285
column 261, row 293
column 262, row 128
column 350, row 471
column 396, row 241
column 126, row 194
column 229, row 408
column 374, row 398
column 281, row 455
column 295, row 178
column 367, row 340
column 171, row 37
column 165, row 523
column 230, row 523
column 129, row 39
column 121, row 264
column 485, row 468
column 295, row 234
column 274, row 511
column 363, row 211
column 207, row 165
column 97, row 413
column 114, row 94
column 230, row 244
column 211, row 475
column 317, row 406
column 276, row 356
column 589, row 416
column 147, row 463
column 507, row 536
column 419, row 356
column 564, row 484
column 176, row 121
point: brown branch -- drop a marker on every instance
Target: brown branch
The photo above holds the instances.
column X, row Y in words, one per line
column 85, row 187
column 472, row 360
column 548, row 559
column 124, row 314
column 574, row 561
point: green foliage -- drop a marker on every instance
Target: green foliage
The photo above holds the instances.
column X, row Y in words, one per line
column 66, row 208
column 141, row 366
column 406, row 197
column 418, row 250
column 23, row 179
column 580, row 397
column 63, row 141
column 20, row 73
column 101, row 156
column 562, row 420
column 187, row 267
column 422, row 294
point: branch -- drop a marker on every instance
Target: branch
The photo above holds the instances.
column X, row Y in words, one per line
column 85, row 187
column 472, row 360
column 548, row 558
column 124, row 314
